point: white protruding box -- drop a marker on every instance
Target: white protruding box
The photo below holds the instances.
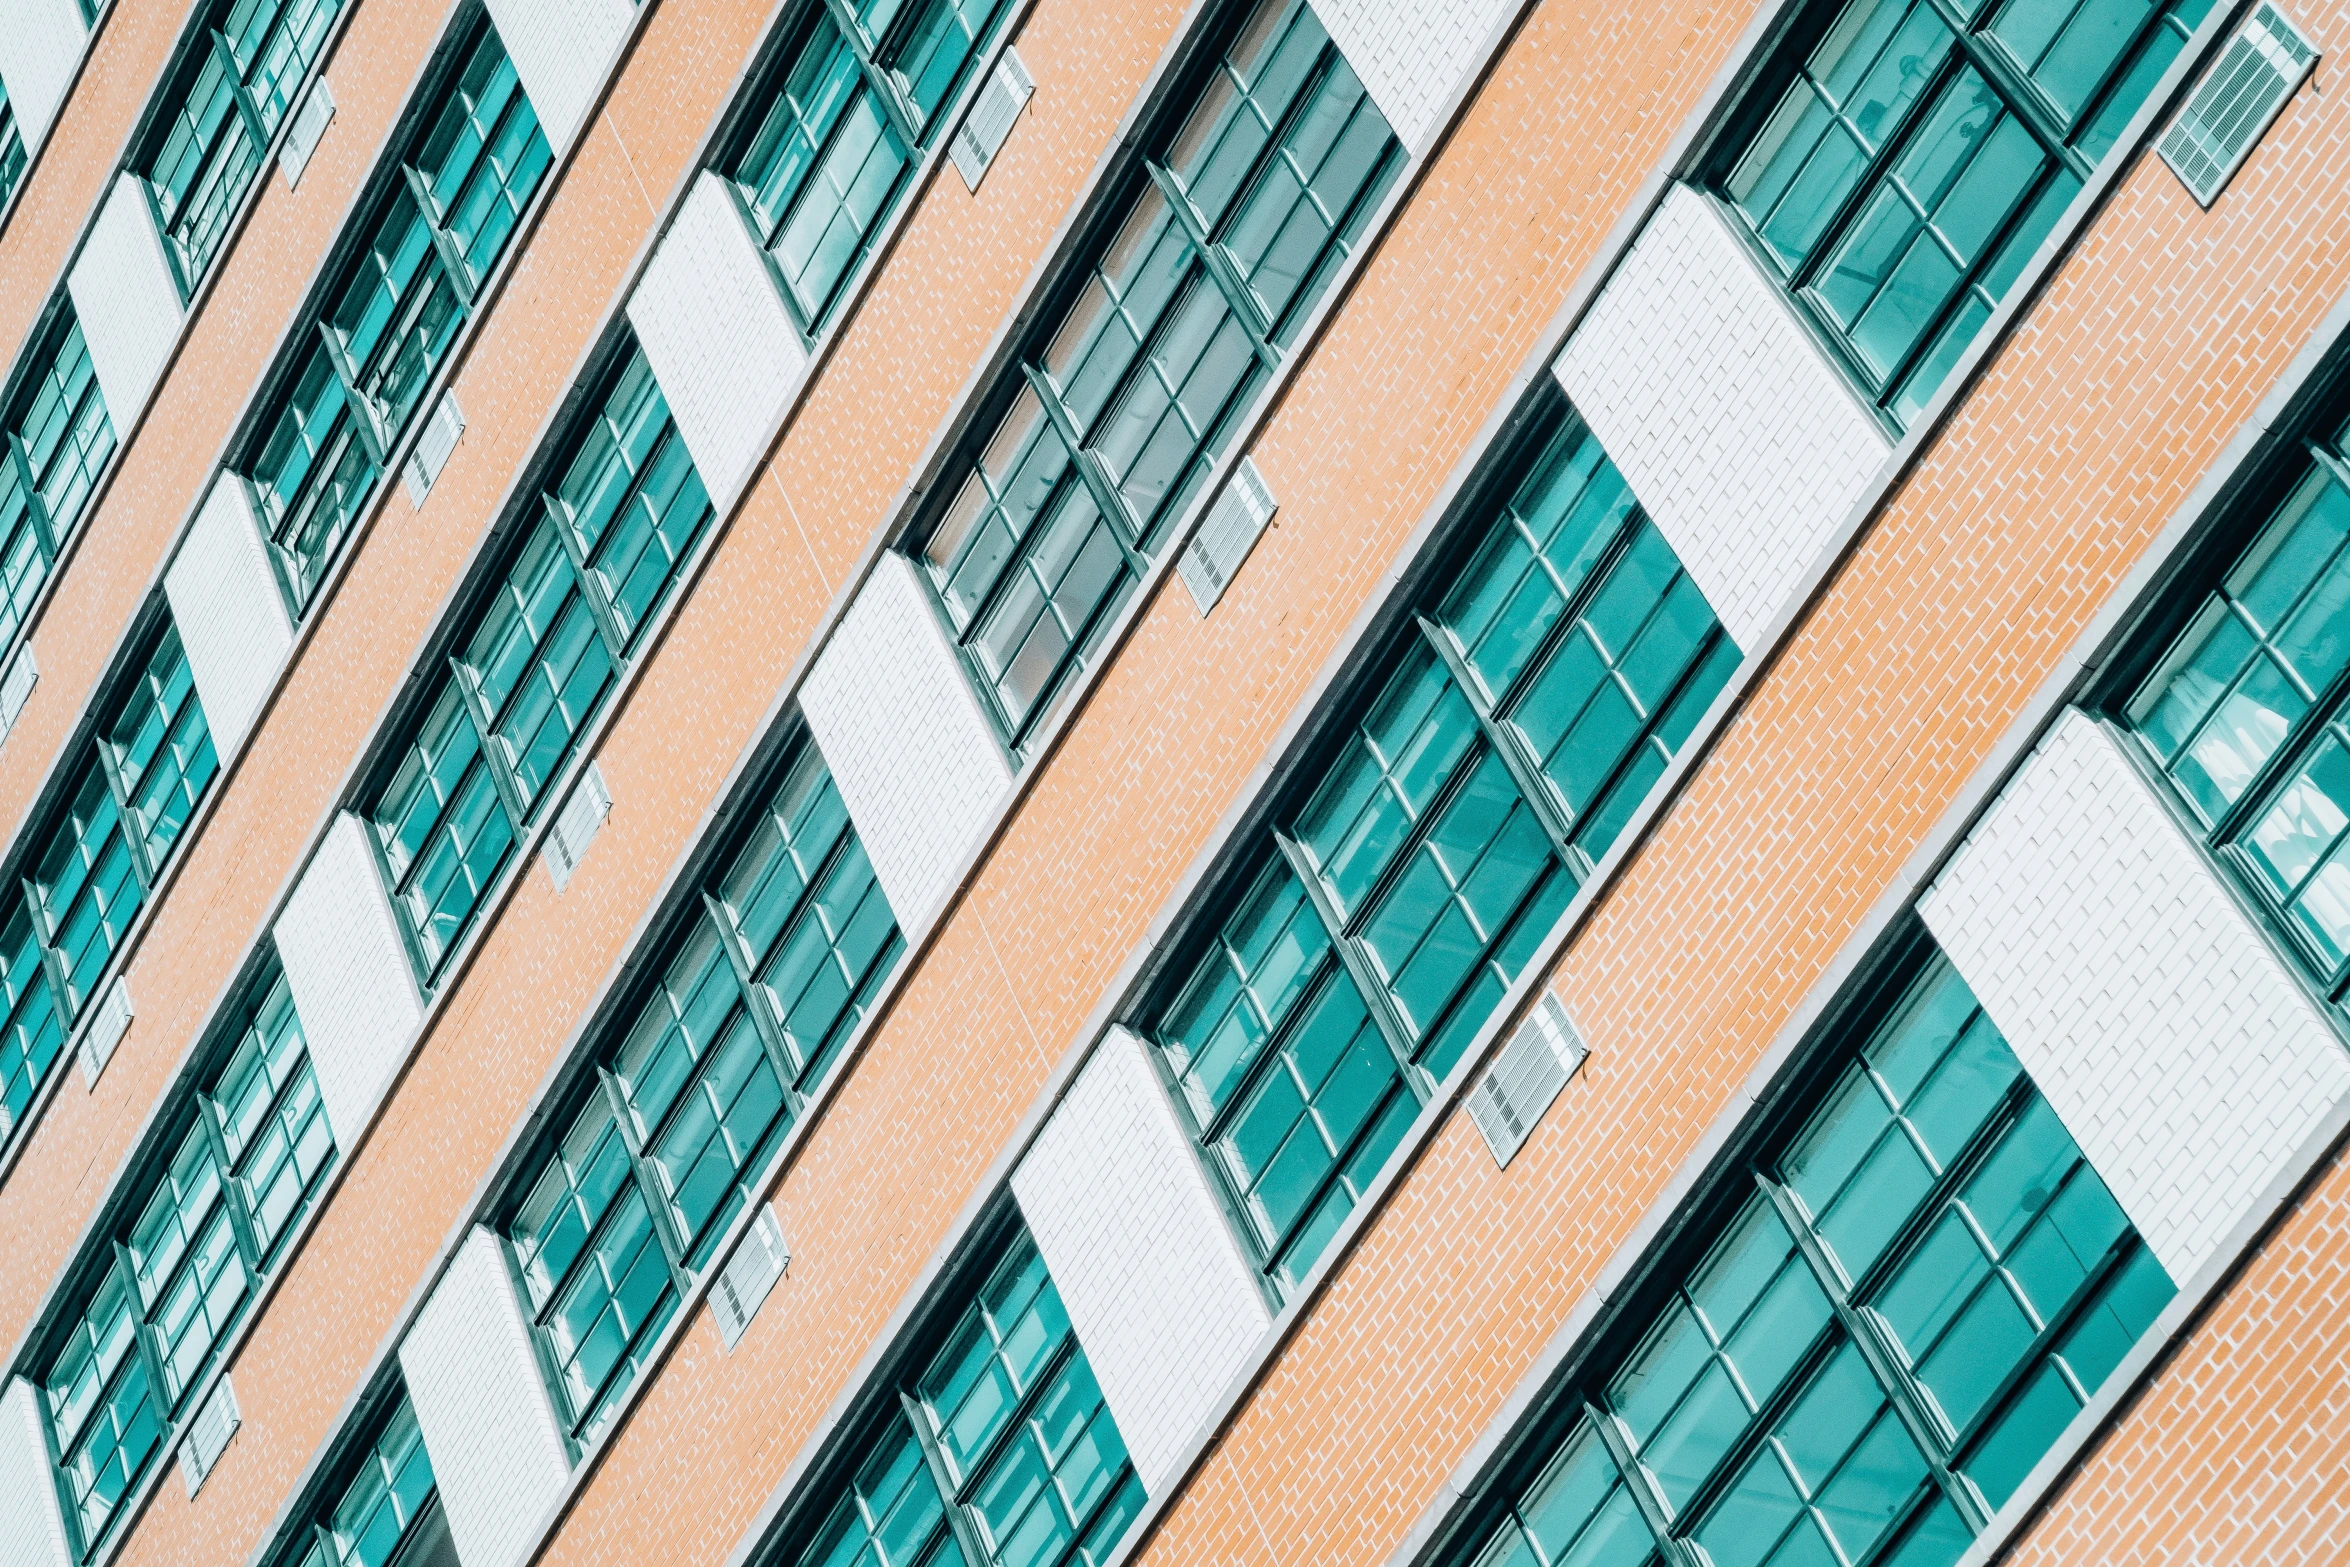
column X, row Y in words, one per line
column 1525, row 1076
column 435, row 445
column 39, row 50
column 989, row 124
column 498, row 1456
column 1162, row 1299
column 32, row 1525
column 749, row 1277
column 108, row 1023
column 576, row 824
column 561, row 49
column 230, row 611
column 1739, row 438
column 1226, row 536
column 16, row 687
column 2164, row 1030
column 303, row 136
column 208, row 1435
column 710, row 316
column 917, row 760
column 1411, row 54
column 126, row 294
column 353, row 983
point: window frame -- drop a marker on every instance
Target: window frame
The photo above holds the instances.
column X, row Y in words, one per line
column 59, row 323
column 307, row 1523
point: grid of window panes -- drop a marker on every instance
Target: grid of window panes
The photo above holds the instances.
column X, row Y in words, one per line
column 12, row 153
column 2245, row 715
column 1919, row 151
column 429, row 246
column 1004, row 1454
column 387, row 1504
column 33, row 1032
column 696, row 1089
column 1928, row 1283
column 57, row 437
column 182, row 1267
column 862, row 91
column 1518, row 725
column 543, row 652
column 1241, row 223
column 230, row 97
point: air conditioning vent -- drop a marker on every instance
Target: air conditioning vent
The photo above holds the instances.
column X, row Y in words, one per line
column 749, row 1276
column 208, row 1435
column 1226, row 535
column 108, row 1024
column 2236, row 101
column 310, row 122
column 433, row 448
column 576, row 824
column 989, row 123
column 16, row 688
column 1510, row 1097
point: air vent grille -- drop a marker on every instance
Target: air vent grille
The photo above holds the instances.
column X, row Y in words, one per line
column 16, row 688
column 2236, row 101
column 208, row 1435
column 433, row 448
column 749, row 1276
column 107, row 1026
column 576, row 825
column 989, row 124
column 1226, row 535
column 1511, row 1094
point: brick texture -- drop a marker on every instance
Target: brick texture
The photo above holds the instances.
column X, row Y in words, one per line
column 1411, row 54
column 127, row 300
column 32, row 1528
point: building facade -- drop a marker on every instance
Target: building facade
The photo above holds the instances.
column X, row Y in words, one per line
column 1455, row 783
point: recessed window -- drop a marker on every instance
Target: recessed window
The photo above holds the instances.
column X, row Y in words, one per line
column 382, row 1506
column 1915, row 153
column 1240, row 219
column 694, row 1090
column 1927, row 1282
column 1521, row 718
column 12, row 153
column 405, row 291
column 57, row 437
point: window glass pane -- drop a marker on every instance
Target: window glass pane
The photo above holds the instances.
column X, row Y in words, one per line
column 163, row 748
column 87, row 887
column 939, row 43
column 445, row 833
column 102, row 1410
column 31, row 1033
column 272, row 1123
column 538, row 664
column 62, row 430
column 892, row 1515
column 484, row 156
column 315, row 471
column 12, row 153
column 397, row 317
column 384, row 1499
column 631, row 497
column 185, row 1262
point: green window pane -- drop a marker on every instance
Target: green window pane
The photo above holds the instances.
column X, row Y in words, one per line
column 12, row 153
column 314, row 473
column 632, row 498
column 62, row 430
column 184, row 1261
column 1248, row 987
column 483, row 157
column 445, row 833
column 25, row 546
column 538, row 664
column 163, row 749
column 87, row 889
column 892, row 1514
column 31, row 1032
column 102, row 1412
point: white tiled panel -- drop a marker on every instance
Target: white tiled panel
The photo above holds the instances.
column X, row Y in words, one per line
column 1161, row 1297
column 352, row 981
column 2164, row 1030
column 560, row 49
column 40, row 45
column 32, row 1529
column 1740, row 439
column 497, row 1454
column 1411, row 54
column 127, row 298
column 710, row 316
column 231, row 616
column 917, row 761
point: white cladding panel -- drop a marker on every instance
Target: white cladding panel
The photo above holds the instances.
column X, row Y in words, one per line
column 1411, row 54
column 560, row 49
column 1165, row 1305
column 1737, row 435
column 915, row 756
column 353, row 984
column 39, row 49
column 231, row 616
column 710, row 315
column 32, row 1528
column 2163, row 1029
column 127, row 298
column 497, row 1454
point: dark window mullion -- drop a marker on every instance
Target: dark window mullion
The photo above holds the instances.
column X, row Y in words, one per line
column 149, row 1350
column 52, row 961
column 1309, row 995
column 1023, row 1408
column 757, row 1003
column 247, row 109
column 1885, row 1365
column 492, row 751
column 2043, row 1342
column 967, row 1536
column 36, row 508
column 2158, row 16
column 1358, row 966
column 878, row 81
column 648, row 1184
column 1890, row 147
column 2018, row 93
column 444, row 244
column 240, row 1219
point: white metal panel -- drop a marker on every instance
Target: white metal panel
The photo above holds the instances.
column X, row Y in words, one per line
column 230, row 612
column 560, row 49
column 498, row 1456
column 989, row 124
column 39, row 48
column 32, row 1526
column 2162, row 1027
column 352, row 981
column 127, row 297
column 1411, row 54
column 1740, row 439
column 711, row 318
column 1163, row 1301
column 917, row 760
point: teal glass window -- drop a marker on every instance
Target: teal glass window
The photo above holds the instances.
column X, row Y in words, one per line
column 863, row 90
column 544, row 648
column 697, row 1086
column 220, row 110
column 2244, row 714
column 235, row 1166
column 1519, row 722
column 12, row 153
column 1241, row 219
column 1927, row 1284
column 388, row 1509
column 57, row 438
column 1002, row 1452
column 33, row 1031
column 1916, row 152
column 408, row 287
